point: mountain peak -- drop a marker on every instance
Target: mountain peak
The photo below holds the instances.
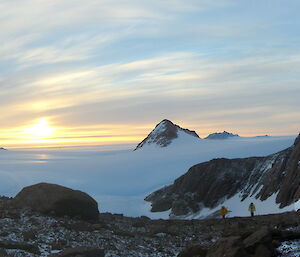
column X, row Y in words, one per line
column 163, row 134
column 221, row 135
column 297, row 140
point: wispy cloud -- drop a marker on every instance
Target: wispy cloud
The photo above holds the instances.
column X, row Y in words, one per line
column 218, row 64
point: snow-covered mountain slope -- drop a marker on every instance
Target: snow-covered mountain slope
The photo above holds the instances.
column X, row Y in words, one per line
column 164, row 133
column 221, row 135
column 200, row 192
column 120, row 179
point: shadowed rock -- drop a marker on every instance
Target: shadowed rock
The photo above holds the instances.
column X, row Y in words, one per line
column 259, row 243
column 58, row 200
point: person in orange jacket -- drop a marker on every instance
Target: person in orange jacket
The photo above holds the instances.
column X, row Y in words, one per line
column 223, row 212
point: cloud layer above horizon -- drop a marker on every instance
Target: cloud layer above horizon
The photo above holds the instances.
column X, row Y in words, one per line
column 113, row 69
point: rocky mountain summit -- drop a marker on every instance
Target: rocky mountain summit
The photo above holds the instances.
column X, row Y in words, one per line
column 164, row 133
column 210, row 184
column 221, row 135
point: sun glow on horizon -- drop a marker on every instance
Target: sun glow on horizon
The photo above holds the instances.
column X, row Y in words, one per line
column 50, row 132
column 40, row 130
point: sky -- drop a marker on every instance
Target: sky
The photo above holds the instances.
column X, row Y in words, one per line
column 106, row 72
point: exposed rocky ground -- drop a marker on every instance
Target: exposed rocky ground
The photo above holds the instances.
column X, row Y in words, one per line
column 208, row 184
column 30, row 234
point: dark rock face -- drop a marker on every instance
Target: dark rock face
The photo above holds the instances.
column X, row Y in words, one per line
column 164, row 133
column 221, row 135
column 290, row 190
column 208, row 184
column 50, row 198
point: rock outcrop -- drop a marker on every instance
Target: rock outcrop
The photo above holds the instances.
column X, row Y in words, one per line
column 58, row 200
column 260, row 243
column 221, row 135
column 208, row 184
column 163, row 134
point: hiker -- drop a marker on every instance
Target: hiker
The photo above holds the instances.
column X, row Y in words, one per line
column 252, row 209
column 223, row 212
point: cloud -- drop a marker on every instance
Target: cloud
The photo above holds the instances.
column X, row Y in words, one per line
column 208, row 63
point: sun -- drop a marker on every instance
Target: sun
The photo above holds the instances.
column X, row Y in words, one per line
column 40, row 130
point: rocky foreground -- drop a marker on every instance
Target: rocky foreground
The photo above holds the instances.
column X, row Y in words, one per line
column 28, row 233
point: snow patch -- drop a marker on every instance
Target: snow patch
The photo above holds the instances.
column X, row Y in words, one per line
column 238, row 208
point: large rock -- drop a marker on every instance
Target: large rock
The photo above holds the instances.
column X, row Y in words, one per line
column 58, row 200
column 228, row 247
column 258, row 237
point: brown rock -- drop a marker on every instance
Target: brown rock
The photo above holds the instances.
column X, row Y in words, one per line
column 262, row 251
column 80, row 252
column 50, row 198
column 29, row 235
column 289, row 235
column 228, row 247
column 19, row 245
column 193, row 251
column 262, row 236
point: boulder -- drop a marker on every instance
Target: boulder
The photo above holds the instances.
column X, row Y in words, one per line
column 8, row 244
column 57, row 200
column 193, row 251
column 262, row 236
column 228, row 247
column 80, row 252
